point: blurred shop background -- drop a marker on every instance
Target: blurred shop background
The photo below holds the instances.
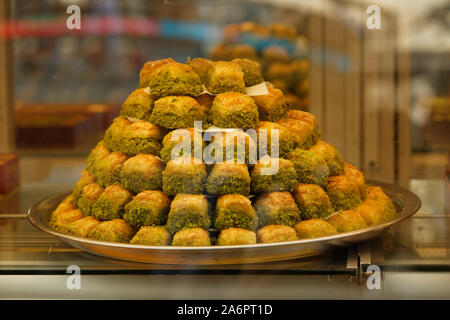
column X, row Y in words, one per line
column 68, row 85
column 101, row 62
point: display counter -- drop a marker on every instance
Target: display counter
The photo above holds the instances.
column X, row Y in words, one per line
column 413, row 258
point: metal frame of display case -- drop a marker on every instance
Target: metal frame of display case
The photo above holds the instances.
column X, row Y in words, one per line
column 413, row 258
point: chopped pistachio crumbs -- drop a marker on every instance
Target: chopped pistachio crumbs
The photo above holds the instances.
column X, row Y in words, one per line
column 148, row 208
column 304, row 127
column 225, row 76
column 272, row 133
column 139, row 105
column 234, row 110
column 113, row 135
column 312, row 201
column 178, row 141
column 252, row 71
column 111, row 203
column 147, row 72
column 138, row 137
column 343, row 199
column 174, row 112
column 277, row 208
column 142, row 172
column 189, row 211
column 233, row 210
column 89, row 196
column 228, row 179
column 285, row 179
column 86, row 179
column 97, row 154
column 310, row 167
column 331, row 156
column 346, row 191
column 201, row 67
column 272, row 106
column 175, row 79
column 183, row 175
column 108, row 169
column 235, row 147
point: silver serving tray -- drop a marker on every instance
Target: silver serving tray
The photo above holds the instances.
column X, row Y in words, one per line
column 405, row 202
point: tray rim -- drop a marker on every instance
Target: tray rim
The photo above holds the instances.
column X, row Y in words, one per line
column 36, row 217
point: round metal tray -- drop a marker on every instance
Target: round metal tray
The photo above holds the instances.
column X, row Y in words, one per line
column 405, row 202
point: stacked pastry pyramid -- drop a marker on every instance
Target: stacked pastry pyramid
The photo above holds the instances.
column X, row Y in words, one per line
column 198, row 158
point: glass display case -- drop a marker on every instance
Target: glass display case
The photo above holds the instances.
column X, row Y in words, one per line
column 373, row 76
